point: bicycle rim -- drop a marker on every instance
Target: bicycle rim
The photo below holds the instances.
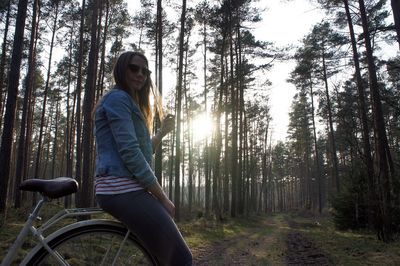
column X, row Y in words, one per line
column 96, row 245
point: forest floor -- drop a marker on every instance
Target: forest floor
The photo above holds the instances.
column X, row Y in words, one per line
column 279, row 239
column 285, row 239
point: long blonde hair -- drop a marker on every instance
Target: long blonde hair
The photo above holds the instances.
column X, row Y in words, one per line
column 142, row 96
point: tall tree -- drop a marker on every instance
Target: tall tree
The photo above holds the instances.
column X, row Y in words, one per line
column 362, row 112
column 159, row 77
column 300, row 141
column 383, row 156
column 202, row 15
column 228, row 6
column 12, row 93
column 366, row 153
column 302, row 77
column 396, row 16
column 102, row 47
column 29, row 82
column 80, row 59
column 324, row 42
column 66, row 78
column 3, row 57
column 179, row 111
column 86, row 198
column 53, row 10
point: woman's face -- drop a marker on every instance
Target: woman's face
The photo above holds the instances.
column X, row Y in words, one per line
column 137, row 73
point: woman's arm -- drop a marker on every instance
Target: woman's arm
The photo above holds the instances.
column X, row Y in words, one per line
column 156, row 140
column 118, row 111
column 159, row 193
column 166, row 126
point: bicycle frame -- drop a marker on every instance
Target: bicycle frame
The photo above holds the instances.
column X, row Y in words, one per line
column 38, row 232
column 75, row 226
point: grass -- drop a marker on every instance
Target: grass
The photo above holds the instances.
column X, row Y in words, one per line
column 260, row 238
column 15, row 221
column 348, row 247
column 353, row 248
column 266, row 235
column 203, row 232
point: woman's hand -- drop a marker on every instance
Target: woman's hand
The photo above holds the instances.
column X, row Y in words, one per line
column 169, row 206
column 157, row 191
column 167, row 125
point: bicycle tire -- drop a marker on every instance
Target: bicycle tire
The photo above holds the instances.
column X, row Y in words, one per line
column 92, row 242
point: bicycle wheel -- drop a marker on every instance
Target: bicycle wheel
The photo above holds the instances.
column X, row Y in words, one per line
column 92, row 242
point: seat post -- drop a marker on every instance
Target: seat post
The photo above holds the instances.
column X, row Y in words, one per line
column 38, row 207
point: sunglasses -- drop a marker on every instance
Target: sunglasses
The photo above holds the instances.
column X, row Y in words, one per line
column 135, row 69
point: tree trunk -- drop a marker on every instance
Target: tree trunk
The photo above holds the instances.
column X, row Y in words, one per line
column 204, row 32
column 247, row 183
column 316, row 150
column 218, row 136
column 234, row 133
column 55, row 141
column 46, row 91
column 362, row 110
column 86, row 198
column 241, row 119
column 207, row 192
column 191, row 171
column 227, row 173
column 383, row 157
column 266, row 170
column 29, row 130
column 9, row 117
column 178, row 117
column 46, row 157
column 396, row 17
column 186, row 108
column 331, row 132
column 69, row 130
column 218, row 147
column 100, row 83
column 159, row 77
column 22, row 147
column 3, row 58
column 171, row 165
column 78, row 165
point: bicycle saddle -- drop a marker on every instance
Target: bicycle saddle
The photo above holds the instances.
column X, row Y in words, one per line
column 52, row 188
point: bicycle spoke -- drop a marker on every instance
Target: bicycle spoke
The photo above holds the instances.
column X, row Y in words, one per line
column 95, row 247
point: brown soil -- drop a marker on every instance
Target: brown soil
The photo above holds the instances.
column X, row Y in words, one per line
column 301, row 250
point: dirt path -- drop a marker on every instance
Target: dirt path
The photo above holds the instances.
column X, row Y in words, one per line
column 274, row 241
column 256, row 245
column 225, row 252
column 301, row 250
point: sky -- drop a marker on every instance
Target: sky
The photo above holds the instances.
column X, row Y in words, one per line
column 285, row 23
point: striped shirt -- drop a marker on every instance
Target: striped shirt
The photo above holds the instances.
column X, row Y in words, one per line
column 110, row 185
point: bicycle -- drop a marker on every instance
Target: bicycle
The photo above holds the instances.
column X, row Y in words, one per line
column 86, row 242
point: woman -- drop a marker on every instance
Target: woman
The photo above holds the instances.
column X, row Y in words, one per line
column 126, row 186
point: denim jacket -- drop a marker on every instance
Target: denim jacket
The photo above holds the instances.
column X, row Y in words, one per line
column 123, row 144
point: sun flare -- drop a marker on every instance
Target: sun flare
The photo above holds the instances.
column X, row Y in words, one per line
column 202, row 127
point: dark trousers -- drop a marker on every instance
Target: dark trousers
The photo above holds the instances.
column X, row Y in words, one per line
column 144, row 215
